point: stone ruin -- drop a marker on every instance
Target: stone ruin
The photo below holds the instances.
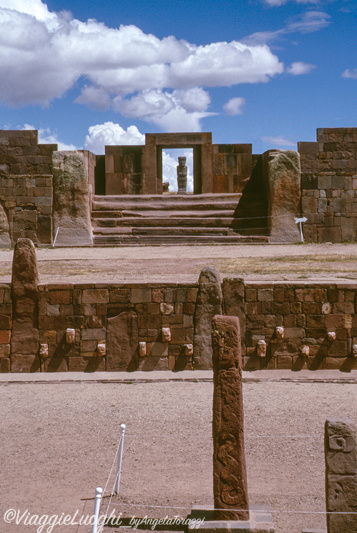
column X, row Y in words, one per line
column 82, row 199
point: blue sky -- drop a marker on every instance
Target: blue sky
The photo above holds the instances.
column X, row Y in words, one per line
column 95, row 72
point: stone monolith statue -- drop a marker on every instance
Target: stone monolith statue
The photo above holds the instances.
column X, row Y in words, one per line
column 182, row 176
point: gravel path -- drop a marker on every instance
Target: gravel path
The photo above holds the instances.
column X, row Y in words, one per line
column 334, row 262
column 58, row 442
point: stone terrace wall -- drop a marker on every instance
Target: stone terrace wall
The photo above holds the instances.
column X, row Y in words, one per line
column 133, row 320
column 88, row 309
column 329, row 185
column 26, row 185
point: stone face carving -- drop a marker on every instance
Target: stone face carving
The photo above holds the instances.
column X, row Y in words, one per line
column 71, row 209
column 188, row 350
column 44, row 350
column 166, row 334
column 229, row 468
column 101, row 349
column 283, row 184
column 305, row 351
column 261, row 348
column 331, row 335
column 25, row 335
column 182, row 176
column 280, row 332
column 122, row 342
column 209, row 304
column 142, row 349
column 70, row 335
column 341, row 475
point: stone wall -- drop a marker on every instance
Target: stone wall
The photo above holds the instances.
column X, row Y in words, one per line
column 155, row 324
column 88, row 309
column 329, row 185
column 26, row 187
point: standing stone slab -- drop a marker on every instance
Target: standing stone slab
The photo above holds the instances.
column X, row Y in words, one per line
column 209, row 304
column 5, row 241
column 283, row 183
column 71, row 200
column 341, row 475
column 122, row 342
column 24, row 335
column 229, row 468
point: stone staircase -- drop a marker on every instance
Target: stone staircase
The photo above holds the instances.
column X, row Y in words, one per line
column 175, row 219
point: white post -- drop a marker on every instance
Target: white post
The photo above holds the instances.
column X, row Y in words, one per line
column 98, row 497
column 54, row 242
column 120, row 457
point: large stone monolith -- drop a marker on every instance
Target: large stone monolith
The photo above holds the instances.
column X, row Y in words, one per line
column 24, row 335
column 341, row 475
column 5, row 241
column 229, row 468
column 71, row 200
column 209, row 304
column 282, row 176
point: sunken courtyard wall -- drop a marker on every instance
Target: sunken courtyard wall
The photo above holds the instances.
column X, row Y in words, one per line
column 156, row 325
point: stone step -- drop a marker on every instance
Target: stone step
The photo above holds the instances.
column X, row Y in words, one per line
column 168, row 221
column 149, row 240
column 148, row 214
column 164, row 203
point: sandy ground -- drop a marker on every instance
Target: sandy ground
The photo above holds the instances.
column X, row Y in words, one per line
column 335, row 262
column 58, row 442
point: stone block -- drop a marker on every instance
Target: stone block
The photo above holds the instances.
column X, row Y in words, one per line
column 95, row 296
column 122, row 342
column 140, row 295
column 25, row 363
column 93, row 334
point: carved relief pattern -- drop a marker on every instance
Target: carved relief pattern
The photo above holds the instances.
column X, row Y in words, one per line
column 229, row 469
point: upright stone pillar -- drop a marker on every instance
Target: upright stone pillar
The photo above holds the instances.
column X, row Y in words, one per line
column 209, row 304
column 24, row 335
column 282, row 176
column 341, row 475
column 229, row 468
column 71, row 200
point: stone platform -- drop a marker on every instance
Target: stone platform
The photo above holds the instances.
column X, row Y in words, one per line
column 260, row 521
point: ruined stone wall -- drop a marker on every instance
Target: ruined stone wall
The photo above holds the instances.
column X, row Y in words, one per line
column 26, row 185
column 329, row 185
column 151, row 326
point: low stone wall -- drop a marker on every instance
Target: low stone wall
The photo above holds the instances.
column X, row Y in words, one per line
column 89, row 310
column 123, row 327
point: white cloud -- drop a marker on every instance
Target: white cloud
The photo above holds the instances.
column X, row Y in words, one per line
column 109, row 133
column 180, row 110
column 309, row 22
column 350, row 73
column 44, row 54
column 299, row 67
column 276, row 142
column 46, row 136
column 278, row 3
column 234, row 106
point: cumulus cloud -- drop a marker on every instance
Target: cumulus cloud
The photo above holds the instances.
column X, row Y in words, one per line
column 299, row 67
column 122, row 67
column 109, row 133
column 350, row 73
column 277, row 142
column 180, row 110
column 234, row 106
column 46, row 136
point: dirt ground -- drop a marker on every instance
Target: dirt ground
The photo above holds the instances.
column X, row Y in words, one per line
column 58, row 442
column 334, row 262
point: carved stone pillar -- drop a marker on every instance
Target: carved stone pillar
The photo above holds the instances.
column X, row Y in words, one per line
column 229, row 468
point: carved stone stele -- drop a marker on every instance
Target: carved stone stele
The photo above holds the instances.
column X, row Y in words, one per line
column 341, row 475
column 229, row 468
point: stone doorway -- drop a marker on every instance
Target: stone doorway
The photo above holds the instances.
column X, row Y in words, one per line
column 170, row 158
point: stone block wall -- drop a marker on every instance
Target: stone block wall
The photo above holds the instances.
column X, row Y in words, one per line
column 26, row 185
column 151, row 326
column 307, row 312
column 27, row 200
column 88, row 310
column 329, row 185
